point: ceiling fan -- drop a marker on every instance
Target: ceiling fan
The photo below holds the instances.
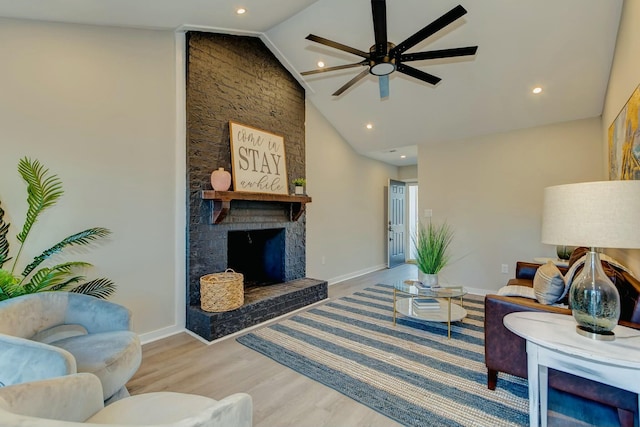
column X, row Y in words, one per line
column 384, row 57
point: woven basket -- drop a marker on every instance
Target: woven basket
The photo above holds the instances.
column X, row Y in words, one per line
column 221, row 291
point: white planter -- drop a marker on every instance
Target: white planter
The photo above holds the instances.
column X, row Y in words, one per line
column 299, row 189
column 430, row 280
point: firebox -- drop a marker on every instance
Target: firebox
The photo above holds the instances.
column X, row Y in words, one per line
column 258, row 254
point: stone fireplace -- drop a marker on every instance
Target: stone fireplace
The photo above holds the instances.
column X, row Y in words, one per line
column 265, row 246
column 234, row 78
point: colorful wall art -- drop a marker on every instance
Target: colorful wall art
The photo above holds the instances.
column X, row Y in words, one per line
column 624, row 141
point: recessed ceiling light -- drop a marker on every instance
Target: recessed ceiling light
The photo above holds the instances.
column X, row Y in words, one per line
column 403, row 157
column 369, row 126
column 241, row 11
column 320, row 64
column 537, row 90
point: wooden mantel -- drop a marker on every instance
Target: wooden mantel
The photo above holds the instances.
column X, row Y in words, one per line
column 222, row 202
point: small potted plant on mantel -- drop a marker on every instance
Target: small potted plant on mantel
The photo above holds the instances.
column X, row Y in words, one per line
column 432, row 251
column 299, row 183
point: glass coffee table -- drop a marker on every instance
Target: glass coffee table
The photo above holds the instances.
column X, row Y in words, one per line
column 440, row 310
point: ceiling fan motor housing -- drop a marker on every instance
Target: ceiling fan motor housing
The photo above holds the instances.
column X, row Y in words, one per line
column 382, row 65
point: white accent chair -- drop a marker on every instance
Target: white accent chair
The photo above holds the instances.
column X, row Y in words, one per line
column 76, row 400
column 51, row 334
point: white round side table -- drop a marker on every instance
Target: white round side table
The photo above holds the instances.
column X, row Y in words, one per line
column 552, row 342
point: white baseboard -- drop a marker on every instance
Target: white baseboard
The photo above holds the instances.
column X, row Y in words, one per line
column 148, row 337
column 355, row 274
column 235, row 334
column 478, row 291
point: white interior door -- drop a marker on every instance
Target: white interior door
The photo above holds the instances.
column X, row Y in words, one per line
column 396, row 227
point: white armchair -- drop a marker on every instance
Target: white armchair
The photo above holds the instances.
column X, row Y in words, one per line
column 76, row 400
column 50, row 334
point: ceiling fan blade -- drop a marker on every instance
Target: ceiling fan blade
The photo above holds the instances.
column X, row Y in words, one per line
column 337, row 45
column 415, row 73
column 351, row 82
column 379, row 12
column 337, row 67
column 430, row 29
column 383, row 82
column 436, row 54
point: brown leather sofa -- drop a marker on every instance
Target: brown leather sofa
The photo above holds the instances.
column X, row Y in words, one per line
column 506, row 352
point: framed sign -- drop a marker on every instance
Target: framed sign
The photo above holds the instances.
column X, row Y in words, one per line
column 258, row 159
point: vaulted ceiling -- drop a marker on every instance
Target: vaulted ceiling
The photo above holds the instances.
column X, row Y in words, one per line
column 565, row 47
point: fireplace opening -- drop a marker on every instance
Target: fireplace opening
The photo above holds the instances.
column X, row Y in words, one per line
column 258, row 254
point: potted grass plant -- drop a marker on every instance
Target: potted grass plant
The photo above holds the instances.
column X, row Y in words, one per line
column 432, row 251
column 43, row 191
column 299, row 184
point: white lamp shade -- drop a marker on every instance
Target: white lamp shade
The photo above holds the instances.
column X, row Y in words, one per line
column 604, row 214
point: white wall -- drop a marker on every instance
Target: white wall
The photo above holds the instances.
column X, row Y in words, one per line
column 96, row 105
column 346, row 220
column 623, row 80
column 408, row 172
column 489, row 189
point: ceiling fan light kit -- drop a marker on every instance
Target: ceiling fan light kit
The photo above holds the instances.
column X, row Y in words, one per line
column 384, row 57
column 382, row 66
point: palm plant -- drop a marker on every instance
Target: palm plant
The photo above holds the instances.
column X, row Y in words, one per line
column 432, row 247
column 43, row 191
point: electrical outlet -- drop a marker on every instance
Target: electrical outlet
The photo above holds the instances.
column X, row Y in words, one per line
column 428, row 213
column 505, row 268
column 323, row 260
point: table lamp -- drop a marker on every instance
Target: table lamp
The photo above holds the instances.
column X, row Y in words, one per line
column 603, row 214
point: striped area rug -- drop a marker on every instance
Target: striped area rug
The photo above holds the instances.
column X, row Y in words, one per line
column 411, row 372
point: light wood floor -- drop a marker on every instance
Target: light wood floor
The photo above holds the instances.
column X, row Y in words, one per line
column 281, row 397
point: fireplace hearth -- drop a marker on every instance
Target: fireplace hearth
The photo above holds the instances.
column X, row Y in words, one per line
column 259, row 240
column 261, row 303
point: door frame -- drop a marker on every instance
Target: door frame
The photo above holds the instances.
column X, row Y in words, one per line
column 409, row 241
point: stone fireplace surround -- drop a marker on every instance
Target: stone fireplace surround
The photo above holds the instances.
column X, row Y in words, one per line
column 237, row 78
column 264, row 299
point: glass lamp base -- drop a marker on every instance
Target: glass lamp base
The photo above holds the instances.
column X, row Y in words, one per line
column 598, row 336
column 594, row 300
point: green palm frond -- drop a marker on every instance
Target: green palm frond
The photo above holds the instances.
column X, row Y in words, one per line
column 82, row 238
column 66, row 285
column 43, row 191
column 62, row 283
column 99, row 288
column 4, row 243
column 9, row 286
column 49, row 277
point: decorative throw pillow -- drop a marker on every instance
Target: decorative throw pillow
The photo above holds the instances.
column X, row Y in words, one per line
column 577, row 255
column 614, row 263
column 548, row 284
column 517, row 291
